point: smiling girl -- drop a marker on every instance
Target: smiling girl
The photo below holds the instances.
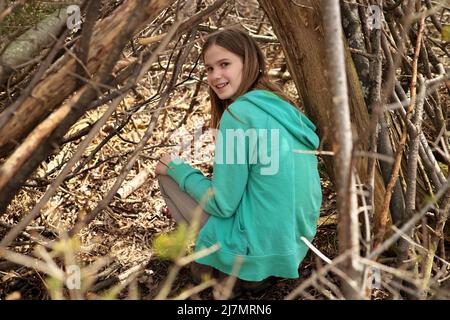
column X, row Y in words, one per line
column 256, row 216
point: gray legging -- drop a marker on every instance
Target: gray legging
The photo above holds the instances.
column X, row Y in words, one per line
column 182, row 206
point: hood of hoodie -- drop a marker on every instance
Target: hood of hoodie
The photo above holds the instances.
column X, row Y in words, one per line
column 292, row 119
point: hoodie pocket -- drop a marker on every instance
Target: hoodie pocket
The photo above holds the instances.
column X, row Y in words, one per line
column 240, row 222
column 241, row 236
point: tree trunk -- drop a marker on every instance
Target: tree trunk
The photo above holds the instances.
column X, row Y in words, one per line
column 299, row 29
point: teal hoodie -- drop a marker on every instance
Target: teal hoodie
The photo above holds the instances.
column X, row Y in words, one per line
column 265, row 195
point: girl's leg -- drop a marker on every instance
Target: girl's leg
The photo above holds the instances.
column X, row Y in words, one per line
column 181, row 206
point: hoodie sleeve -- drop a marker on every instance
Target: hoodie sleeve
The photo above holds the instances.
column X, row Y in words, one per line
column 222, row 194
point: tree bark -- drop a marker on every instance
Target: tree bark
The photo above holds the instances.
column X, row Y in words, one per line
column 355, row 37
column 299, row 29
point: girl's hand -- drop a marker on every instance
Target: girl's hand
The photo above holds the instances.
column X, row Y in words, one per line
column 161, row 167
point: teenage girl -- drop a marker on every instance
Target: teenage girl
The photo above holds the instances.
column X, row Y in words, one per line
column 265, row 193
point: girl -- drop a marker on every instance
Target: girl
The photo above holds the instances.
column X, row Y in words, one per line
column 265, row 192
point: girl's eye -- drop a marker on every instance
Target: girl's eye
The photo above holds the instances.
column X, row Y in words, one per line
column 208, row 69
column 224, row 64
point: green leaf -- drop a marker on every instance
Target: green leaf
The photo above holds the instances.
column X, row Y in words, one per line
column 445, row 33
column 170, row 246
column 444, row 168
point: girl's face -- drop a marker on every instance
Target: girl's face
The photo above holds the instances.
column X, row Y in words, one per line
column 224, row 71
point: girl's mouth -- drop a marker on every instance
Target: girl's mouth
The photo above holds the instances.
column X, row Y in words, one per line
column 221, row 85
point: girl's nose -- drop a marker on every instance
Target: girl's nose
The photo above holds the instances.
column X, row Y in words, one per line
column 216, row 74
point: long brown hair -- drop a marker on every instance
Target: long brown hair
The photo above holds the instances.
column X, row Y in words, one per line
column 254, row 73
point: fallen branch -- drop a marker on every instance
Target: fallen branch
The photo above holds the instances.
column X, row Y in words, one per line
column 135, row 183
column 28, row 45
